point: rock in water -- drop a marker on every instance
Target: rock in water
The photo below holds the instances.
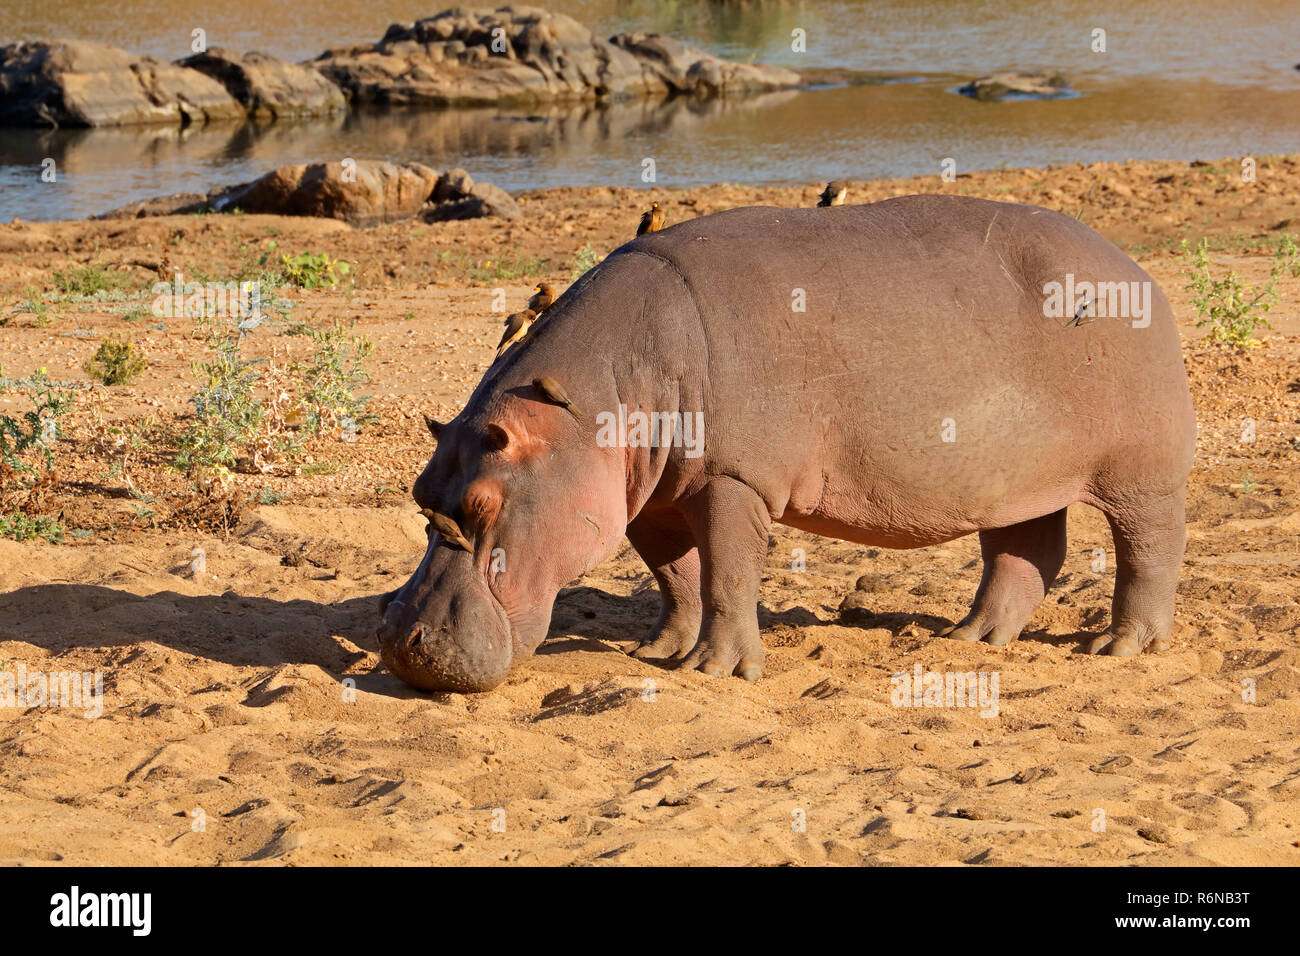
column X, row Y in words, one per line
column 79, row 83
column 526, row 54
column 269, row 87
column 1016, row 85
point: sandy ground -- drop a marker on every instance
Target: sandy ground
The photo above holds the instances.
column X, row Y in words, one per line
column 246, row 717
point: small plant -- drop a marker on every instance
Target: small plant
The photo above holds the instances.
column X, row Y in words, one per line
column 27, row 444
column 309, row 270
column 226, row 413
column 37, row 306
column 119, row 444
column 1232, row 308
column 22, row 527
column 32, row 436
column 116, row 361
column 507, row 269
column 586, row 259
column 269, row 497
column 1248, row 483
column 88, row 280
column 1288, row 254
column 330, row 379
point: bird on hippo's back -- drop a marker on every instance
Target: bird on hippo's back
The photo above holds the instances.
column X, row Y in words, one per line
column 834, row 194
column 542, row 298
column 652, row 220
column 517, row 325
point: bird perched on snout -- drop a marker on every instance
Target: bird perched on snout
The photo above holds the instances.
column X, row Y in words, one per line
column 556, row 393
column 517, row 326
column 652, row 220
column 542, row 298
column 834, row 194
column 448, row 528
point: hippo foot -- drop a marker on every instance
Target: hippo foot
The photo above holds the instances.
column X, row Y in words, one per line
column 1128, row 640
column 667, row 643
column 995, row 634
column 723, row 653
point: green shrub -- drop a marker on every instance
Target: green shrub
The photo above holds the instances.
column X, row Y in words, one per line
column 87, row 280
column 37, row 306
column 1232, row 308
column 309, row 270
column 22, row 527
column 27, row 443
column 226, row 413
column 331, row 378
column 586, row 259
column 116, row 361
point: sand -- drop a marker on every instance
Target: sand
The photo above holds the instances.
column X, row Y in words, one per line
column 246, row 717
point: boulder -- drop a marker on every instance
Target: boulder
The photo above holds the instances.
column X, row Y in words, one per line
column 526, row 54
column 681, row 69
column 1018, row 85
column 481, row 199
column 453, row 184
column 80, row 83
column 269, row 87
column 364, row 194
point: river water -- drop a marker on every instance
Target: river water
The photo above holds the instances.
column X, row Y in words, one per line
column 1178, row 79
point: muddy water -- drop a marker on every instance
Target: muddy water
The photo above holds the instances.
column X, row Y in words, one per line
column 1179, row 79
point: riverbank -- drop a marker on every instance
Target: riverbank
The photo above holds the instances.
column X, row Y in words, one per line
column 226, row 682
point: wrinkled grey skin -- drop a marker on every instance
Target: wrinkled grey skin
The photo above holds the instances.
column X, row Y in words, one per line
column 924, row 318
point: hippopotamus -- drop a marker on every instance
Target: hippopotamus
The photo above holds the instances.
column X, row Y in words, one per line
column 897, row 374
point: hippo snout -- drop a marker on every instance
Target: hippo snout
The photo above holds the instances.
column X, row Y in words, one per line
column 446, row 632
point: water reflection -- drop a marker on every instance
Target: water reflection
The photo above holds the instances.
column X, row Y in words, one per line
column 1181, row 79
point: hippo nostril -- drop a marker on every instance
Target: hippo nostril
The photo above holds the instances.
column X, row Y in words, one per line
column 416, row 636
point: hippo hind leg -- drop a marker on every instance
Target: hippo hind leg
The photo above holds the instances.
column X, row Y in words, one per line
column 1020, row 564
column 666, row 544
column 1150, row 535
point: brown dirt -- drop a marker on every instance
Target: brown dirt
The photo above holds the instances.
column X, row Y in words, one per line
column 226, row 690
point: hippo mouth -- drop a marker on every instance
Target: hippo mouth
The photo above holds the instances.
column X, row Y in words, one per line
column 460, row 640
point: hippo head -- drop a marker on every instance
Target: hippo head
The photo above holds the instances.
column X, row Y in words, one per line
column 520, row 501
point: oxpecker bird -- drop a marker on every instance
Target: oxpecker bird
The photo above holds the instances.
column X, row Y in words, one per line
column 652, row 220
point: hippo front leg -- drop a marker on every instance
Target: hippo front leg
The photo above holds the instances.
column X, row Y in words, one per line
column 667, row 546
column 730, row 524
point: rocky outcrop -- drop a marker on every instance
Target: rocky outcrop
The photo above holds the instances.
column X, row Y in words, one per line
column 79, row 83
column 526, row 54
column 361, row 192
column 1017, row 86
column 269, row 87
column 458, row 57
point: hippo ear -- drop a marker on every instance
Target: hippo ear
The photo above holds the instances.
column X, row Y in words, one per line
column 497, row 437
column 435, row 428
